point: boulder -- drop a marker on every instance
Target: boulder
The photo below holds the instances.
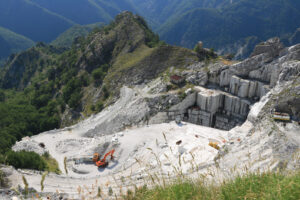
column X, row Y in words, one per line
column 198, row 78
column 272, row 47
column 209, row 100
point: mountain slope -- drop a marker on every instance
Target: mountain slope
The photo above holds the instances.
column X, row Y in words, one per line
column 46, row 87
column 86, row 11
column 81, row 12
column 233, row 22
column 11, row 42
column 230, row 23
column 162, row 11
column 124, row 52
column 66, row 38
column 28, row 19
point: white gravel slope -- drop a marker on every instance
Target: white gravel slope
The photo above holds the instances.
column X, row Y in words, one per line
column 136, row 152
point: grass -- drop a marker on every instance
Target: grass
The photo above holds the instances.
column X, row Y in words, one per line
column 65, row 165
column 126, row 61
column 52, row 165
column 269, row 185
column 42, row 180
column 150, row 61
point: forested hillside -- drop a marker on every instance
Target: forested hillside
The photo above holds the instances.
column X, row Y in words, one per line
column 233, row 22
column 11, row 42
column 66, row 38
column 29, row 19
column 159, row 12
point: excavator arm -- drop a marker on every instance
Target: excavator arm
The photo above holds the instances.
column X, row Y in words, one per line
column 103, row 163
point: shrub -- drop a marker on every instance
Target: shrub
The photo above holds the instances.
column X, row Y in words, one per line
column 52, row 165
column 25, row 160
column 105, row 92
column 51, row 73
column 3, row 181
column 2, row 96
column 41, row 100
column 2, row 159
column 84, row 79
column 73, row 86
column 75, row 100
column 98, row 74
column 99, row 106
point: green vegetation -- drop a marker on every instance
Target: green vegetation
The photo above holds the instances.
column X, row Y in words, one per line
column 44, row 83
column 72, row 92
column 51, row 164
column 11, row 42
column 25, row 160
column 65, row 165
column 26, row 191
column 42, row 180
column 3, row 182
column 99, row 74
column 19, row 119
column 269, row 185
column 131, row 59
column 67, row 38
column 178, row 22
column 235, row 22
column 151, row 38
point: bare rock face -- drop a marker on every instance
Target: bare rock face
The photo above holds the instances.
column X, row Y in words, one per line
column 235, row 88
column 211, row 108
column 70, row 116
column 272, row 47
column 209, row 100
column 29, row 145
column 247, row 88
column 197, row 78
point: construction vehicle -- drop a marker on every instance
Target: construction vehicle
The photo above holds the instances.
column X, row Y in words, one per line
column 103, row 162
column 281, row 116
column 214, row 145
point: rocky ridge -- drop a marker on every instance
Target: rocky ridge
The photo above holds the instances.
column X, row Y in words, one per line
column 221, row 97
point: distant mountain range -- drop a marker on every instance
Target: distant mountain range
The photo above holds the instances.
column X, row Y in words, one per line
column 11, row 42
column 226, row 25
column 66, row 38
column 229, row 23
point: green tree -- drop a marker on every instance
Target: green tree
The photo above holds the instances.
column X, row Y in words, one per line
column 2, row 96
column 75, row 100
column 25, row 160
column 98, row 74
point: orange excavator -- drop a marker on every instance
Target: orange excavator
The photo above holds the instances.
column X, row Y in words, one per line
column 102, row 162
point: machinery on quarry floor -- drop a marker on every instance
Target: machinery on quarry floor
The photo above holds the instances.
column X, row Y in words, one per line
column 103, row 162
column 281, row 116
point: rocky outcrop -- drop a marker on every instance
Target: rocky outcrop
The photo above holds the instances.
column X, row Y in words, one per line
column 197, row 78
column 272, row 47
column 236, row 87
column 204, row 53
column 241, row 48
column 20, row 68
column 212, row 108
column 247, row 88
